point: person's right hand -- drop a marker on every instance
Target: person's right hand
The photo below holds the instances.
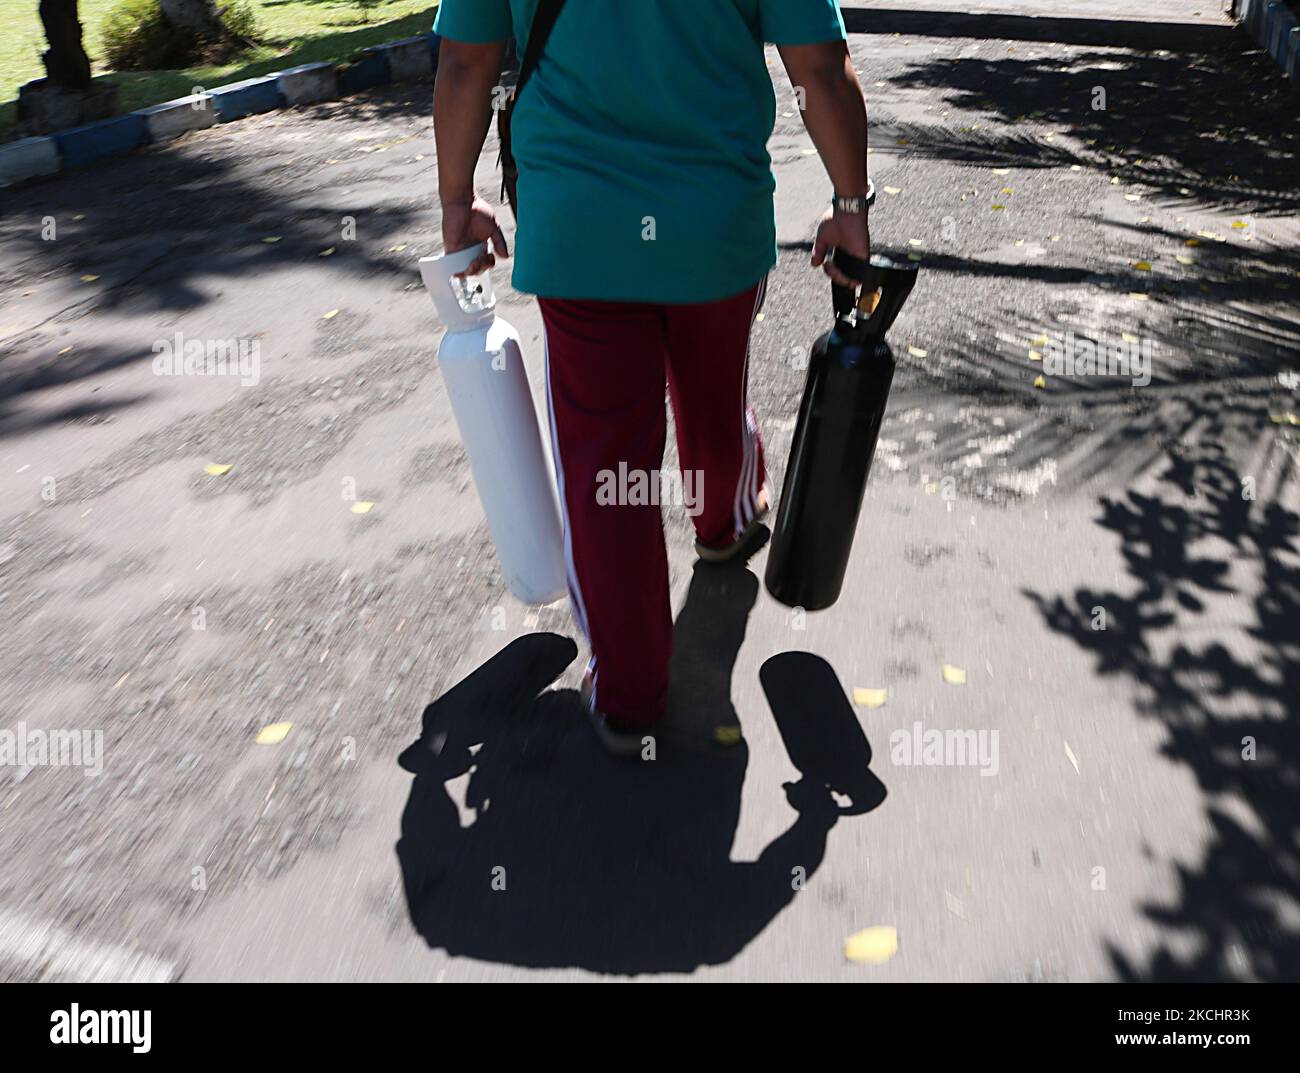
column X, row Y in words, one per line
column 467, row 223
column 841, row 231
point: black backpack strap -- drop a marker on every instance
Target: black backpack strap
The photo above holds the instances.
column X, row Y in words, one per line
column 538, row 34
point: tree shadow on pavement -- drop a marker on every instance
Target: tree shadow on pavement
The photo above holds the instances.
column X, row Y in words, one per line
column 1205, row 627
column 154, row 236
column 1125, row 33
column 573, row 859
column 1226, row 696
column 1188, row 145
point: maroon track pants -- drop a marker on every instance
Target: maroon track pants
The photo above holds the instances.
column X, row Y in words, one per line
column 606, row 367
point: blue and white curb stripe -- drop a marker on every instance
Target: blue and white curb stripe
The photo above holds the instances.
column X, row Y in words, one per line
column 173, row 118
column 28, row 159
column 1277, row 29
column 411, row 59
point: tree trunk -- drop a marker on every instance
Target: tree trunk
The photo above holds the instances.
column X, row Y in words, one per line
column 197, row 15
column 66, row 62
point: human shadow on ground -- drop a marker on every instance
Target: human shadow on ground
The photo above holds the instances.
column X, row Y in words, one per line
column 573, row 859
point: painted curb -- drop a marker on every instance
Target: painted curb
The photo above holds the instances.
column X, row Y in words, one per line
column 368, row 70
column 409, row 59
column 29, row 158
column 109, row 137
column 171, row 119
column 308, row 83
column 1277, row 31
column 253, row 96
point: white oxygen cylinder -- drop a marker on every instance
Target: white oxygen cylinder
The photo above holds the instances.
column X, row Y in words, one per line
column 483, row 369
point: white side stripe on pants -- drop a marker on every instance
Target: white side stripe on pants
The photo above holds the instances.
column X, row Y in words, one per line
column 579, row 608
column 746, row 500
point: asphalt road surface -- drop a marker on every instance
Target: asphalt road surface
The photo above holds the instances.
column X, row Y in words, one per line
column 1108, row 571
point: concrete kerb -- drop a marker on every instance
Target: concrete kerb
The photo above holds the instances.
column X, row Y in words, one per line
column 411, row 59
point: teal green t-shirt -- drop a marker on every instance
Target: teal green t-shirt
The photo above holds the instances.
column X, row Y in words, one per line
column 641, row 140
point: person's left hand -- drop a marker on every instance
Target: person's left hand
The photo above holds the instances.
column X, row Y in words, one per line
column 467, row 223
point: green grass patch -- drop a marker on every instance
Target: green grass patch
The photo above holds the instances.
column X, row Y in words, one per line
column 295, row 31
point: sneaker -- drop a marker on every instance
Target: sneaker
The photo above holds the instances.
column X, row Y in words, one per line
column 730, row 551
column 619, row 739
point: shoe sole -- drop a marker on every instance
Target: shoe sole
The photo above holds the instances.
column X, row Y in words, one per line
column 624, row 744
column 734, row 549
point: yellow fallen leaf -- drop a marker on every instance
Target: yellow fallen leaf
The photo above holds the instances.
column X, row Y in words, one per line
column 1073, row 760
column 869, row 698
column 273, row 733
column 1039, row 382
column 330, row 315
column 917, row 352
column 760, row 316
column 398, row 248
column 1193, row 242
column 1138, row 296
column 872, row 946
column 726, row 734
column 1020, row 242
column 1143, row 266
column 80, row 216
column 88, row 278
column 1132, row 197
column 216, row 469
column 914, row 242
column 1240, row 224
column 1129, row 337
column 1038, row 341
column 999, row 208
column 1034, row 355
column 1115, row 181
column 955, row 676
column 362, row 508
column 1001, row 171
column 63, row 351
column 891, row 190
column 271, row 238
column 1056, row 238
column 1007, row 190
column 1183, row 259
column 326, row 253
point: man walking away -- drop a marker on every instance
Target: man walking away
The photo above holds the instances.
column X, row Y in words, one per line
column 646, row 230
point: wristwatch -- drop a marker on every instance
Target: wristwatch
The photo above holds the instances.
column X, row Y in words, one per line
column 855, row 206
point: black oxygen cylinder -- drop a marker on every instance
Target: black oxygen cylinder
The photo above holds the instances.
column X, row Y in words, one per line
column 849, row 376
